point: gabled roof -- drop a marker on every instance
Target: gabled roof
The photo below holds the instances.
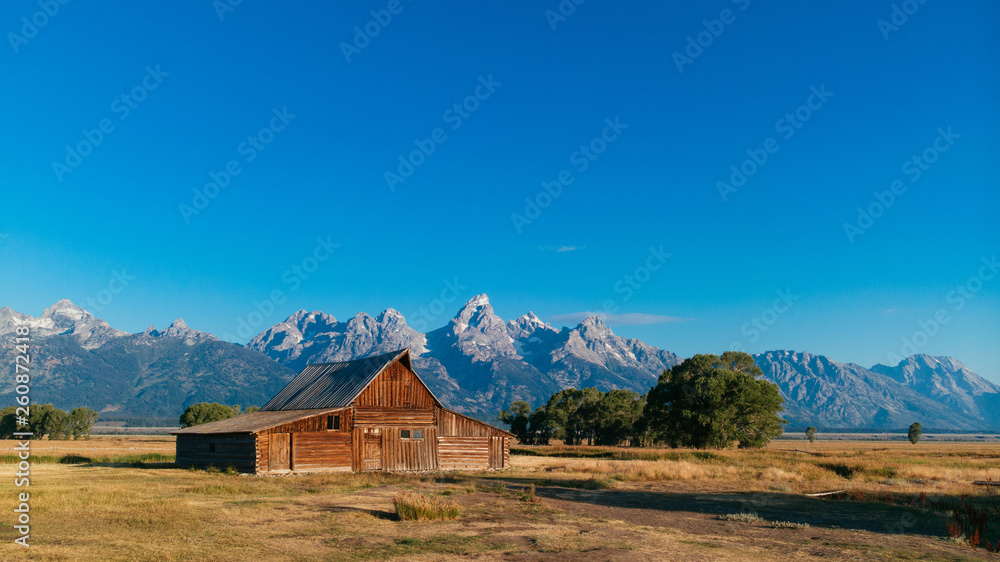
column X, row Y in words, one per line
column 252, row 422
column 336, row 385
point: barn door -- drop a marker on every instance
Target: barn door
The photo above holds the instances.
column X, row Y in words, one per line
column 280, row 451
column 496, row 452
column 371, row 449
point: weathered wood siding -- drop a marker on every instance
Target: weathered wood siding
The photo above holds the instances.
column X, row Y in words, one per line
column 395, row 387
column 279, row 452
column 312, row 447
column 408, row 453
column 235, row 450
column 488, row 447
column 321, row 451
column 464, row 453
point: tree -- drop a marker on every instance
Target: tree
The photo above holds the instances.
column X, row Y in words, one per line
column 8, row 422
column 57, row 424
column 80, row 422
column 518, row 419
column 572, row 414
column 539, row 426
column 617, row 412
column 205, row 412
column 915, row 430
column 46, row 419
column 713, row 401
column 811, row 434
column 252, row 409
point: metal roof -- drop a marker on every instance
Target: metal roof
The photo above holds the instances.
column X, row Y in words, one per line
column 335, row 385
column 252, row 422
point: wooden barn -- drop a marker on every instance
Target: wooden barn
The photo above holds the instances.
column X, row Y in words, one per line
column 371, row 414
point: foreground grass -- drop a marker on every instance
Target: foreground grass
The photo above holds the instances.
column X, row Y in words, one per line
column 131, row 505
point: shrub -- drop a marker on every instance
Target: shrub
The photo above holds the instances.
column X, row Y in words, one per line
column 528, row 495
column 742, row 517
column 417, row 507
column 74, row 459
column 788, row 525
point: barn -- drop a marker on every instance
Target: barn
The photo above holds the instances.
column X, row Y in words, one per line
column 370, row 414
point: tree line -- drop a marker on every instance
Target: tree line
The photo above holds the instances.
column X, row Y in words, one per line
column 206, row 412
column 706, row 401
column 46, row 419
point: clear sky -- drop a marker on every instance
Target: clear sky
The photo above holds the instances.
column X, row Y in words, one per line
column 635, row 117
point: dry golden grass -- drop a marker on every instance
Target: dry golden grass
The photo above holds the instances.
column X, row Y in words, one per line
column 106, row 511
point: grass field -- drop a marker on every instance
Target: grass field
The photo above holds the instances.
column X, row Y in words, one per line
column 121, row 498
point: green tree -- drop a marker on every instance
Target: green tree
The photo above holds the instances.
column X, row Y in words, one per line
column 811, row 433
column 518, row 418
column 46, row 419
column 617, row 412
column 8, row 422
column 915, row 430
column 713, row 401
column 539, row 426
column 80, row 422
column 205, row 412
column 252, row 409
column 572, row 414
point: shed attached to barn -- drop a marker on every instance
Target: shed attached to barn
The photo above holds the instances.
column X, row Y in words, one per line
column 370, row 414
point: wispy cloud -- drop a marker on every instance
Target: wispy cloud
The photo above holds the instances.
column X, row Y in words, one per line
column 630, row 319
column 561, row 248
column 892, row 310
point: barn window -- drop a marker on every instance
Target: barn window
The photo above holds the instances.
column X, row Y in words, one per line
column 404, row 433
column 211, row 447
column 411, row 433
column 332, row 422
column 418, row 434
column 336, row 422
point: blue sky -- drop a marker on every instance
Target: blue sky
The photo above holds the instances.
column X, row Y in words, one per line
column 641, row 112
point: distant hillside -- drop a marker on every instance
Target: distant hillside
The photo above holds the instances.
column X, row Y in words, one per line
column 149, row 374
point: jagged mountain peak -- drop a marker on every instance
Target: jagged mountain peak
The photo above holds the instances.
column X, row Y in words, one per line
column 179, row 329
column 525, row 326
column 62, row 318
column 65, row 308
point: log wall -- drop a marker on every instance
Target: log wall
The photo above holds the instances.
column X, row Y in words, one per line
column 235, row 450
column 464, row 453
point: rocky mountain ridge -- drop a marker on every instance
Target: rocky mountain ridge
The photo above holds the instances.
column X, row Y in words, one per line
column 476, row 363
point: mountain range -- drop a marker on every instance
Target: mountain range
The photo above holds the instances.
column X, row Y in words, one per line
column 476, row 364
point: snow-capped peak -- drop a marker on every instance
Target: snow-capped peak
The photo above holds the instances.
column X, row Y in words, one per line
column 66, row 309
